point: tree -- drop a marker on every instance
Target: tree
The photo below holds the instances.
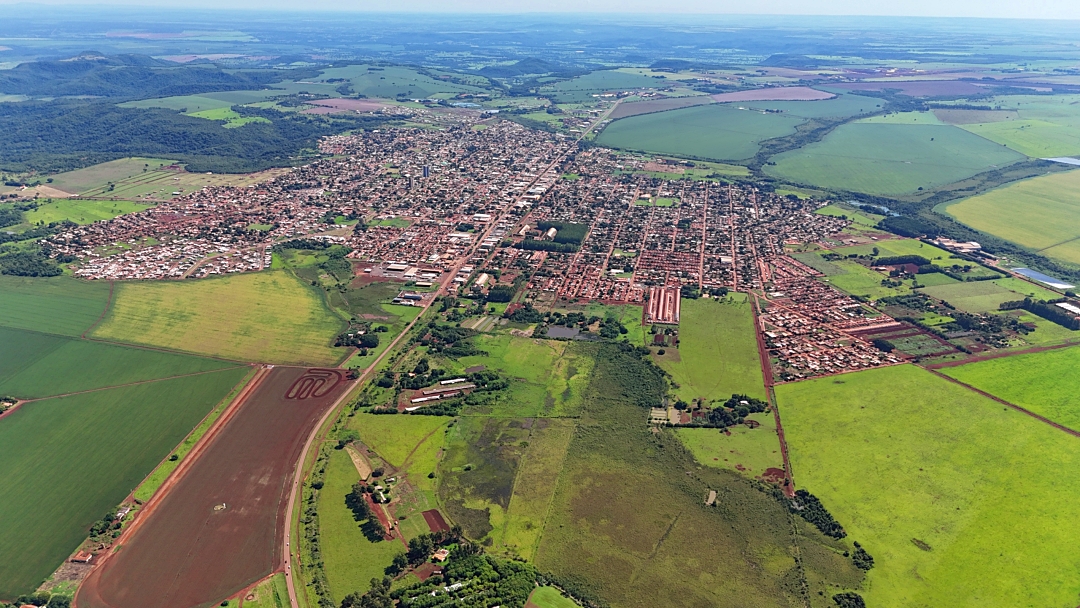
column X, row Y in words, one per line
column 420, row 549
column 376, row 597
column 849, row 600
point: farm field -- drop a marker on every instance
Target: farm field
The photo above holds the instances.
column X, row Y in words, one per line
column 717, row 354
column 394, row 438
column 746, row 450
column 890, row 159
column 161, row 184
column 964, row 521
column 1044, row 383
column 69, row 460
column 635, row 549
column 582, row 88
column 230, row 117
column 39, row 365
column 55, row 305
column 271, row 593
column 97, row 176
column 860, row 280
column 1038, row 213
column 973, row 296
column 81, row 211
column 843, row 105
column 266, row 316
column 214, row 551
column 662, row 104
column 1039, row 126
column 549, row 597
column 863, row 218
column 710, row 132
column 351, row 560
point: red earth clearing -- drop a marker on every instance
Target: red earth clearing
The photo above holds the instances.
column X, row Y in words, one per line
column 775, row 94
column 219, row 527
column 435, row 521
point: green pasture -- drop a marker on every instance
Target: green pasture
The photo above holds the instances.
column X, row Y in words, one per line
column 859, row 280
column 717, row 354
column 935, row 279
column 56, row 305
column 890, row 159
column 349, row 558
column 630, row 315
column 265, row 316
column 550, row 597
column 857, row 216
column 97, row 176
column 395, row 437
column 837, row 107
column 271, row 593
column 1038, row 213
column 746, row 450
column 1044, row 382
column 711, row 132
column 1046, row 332
column 81, row 211
column 946, row 489
column 230, row 117
column 189, row 104
column 1039, row 126
column 383, row 81
column 44, row 365
column 1027, row 288
column 972, row 296
column 534, row 485
column 69, row 460
column 936, row 255
column 582, row 88
column 904, row 118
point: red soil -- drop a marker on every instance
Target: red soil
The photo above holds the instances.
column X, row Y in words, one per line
column 330, row 106
column 425, row 571
column 775, row 94
column 435, row 521
column 189, row 551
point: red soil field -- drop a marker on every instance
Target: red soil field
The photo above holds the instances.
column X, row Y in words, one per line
column 330, row 106
column 775, row 94
column 219, row 528
column 435, row 521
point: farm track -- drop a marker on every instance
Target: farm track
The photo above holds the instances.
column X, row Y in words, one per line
column 996, row 355
column 107, row 388
column 766, row 371
column 1022, row 410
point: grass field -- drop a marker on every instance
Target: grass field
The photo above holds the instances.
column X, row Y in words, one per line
column 351, row 560
column 230, row 117
column 1039, row 126
column 271, row 593
column 843, row 105
column 266, row 316
column 887, row 159
column 717, row 354
column 948, row 490
column 973, row 296
column 68, row 460
column 859, row 280
column 395, row 437
column 1044, row 383
column 582, row 88
column 97, row 176
column 1026, row 288
column 746, row 450
column 863, row 218
column 39, row 365
column 550, row 597
column 57, row 305
column 1038, row 213
column 80, row 211
column 711, row 132
column 159, row 184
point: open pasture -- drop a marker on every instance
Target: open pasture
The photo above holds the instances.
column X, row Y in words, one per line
column 56, row 305
column 220, row 528
column 67, row 461
column 549, row 597
column 81, row 211
column 972, row 296
column 659, row 104
column 44, row 365
column 750, row 451
column 1042, row 213
column 162, row 184
column 230, row 117
column 267, row 316
column 948, row 490
column 718, row 354
column 859, row 280
column 582, row 88
column 713, row 132
column 380, row 81
column 1040, row 126
column 1043, row 382
column 890, row 159
column 100, row 175
column 394, row 438
column 843, row 105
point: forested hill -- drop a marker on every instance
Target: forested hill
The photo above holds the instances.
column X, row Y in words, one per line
column 123, row 77
column 62, row 135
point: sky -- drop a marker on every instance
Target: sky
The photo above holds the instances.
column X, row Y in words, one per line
column 1018, row 9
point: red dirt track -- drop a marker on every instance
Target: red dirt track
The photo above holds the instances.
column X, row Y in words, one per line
column 188, row 552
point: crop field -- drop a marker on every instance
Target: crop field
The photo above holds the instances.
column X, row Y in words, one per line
column 216, row 551
column 1039, row 126
column 946, row 489
column 42, row 365
column 80, row 211
column 161, row 184
column 630, row 524
column 382, row 81
column 718, row 354
column 582, row 88
column 935, row 279
column 746, row 450
column 972, row 296
column 98, row 176
column 265, row 316
column 904, row 118
column 1038, row 213
column 859, row 280
column 1044, row 383
column 67, row 461
column 56, row 305
column 843, row 105
column 1026, row 288
column 890, row 158
column 351, row 560
column 662, row 104
column 710, row 132
column 974, row 117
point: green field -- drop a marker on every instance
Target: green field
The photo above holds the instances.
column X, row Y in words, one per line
column 384, row 81
column 80, row 211
column 38, row 365
column 1042, row 213
column 859, row 280
column 890, row 159
column 582, row 88
column 863, row 218
column 1039, row 126
column 1039, row 382
column 351, row 560
column 230, row 117
column 746, row 450
column 57, row 305
column 271, row 593
column 550, row 597
column 96, row 176
column 840, row 106
column 973, row 296
column 717, row 355
column 711, row 132
column 68, row 460
column 267, row 316
column 394, row 438
column 948, row 490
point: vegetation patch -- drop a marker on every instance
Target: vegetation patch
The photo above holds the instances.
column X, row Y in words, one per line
column 57, row 305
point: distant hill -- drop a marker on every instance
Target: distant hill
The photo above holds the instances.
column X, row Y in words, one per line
column 530, row 65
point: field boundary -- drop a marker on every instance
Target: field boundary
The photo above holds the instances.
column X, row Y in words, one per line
column 101, row 317
column 770, row 393
column 1022, row 410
